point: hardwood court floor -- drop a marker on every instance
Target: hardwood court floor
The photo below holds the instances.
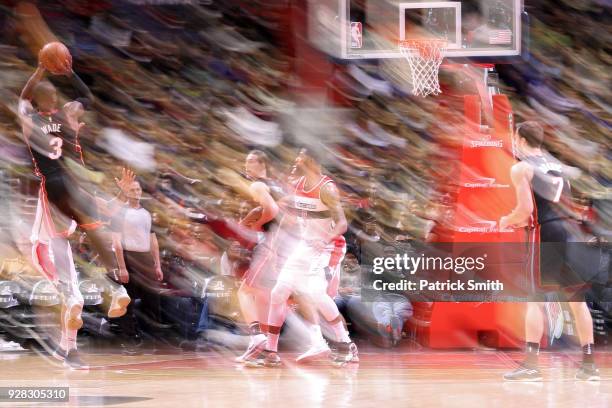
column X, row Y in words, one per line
column 382, row 379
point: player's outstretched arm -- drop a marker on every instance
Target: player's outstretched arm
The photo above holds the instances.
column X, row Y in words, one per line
column 86, row 97
column 25, row 101
column 75, row 109
column 180, row 176
column 28, row 89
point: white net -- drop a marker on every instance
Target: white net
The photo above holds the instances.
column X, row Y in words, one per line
column 424, row 57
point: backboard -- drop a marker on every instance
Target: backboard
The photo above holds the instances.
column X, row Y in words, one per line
column 371, row 29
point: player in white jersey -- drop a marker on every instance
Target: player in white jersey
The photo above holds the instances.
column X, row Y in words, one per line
column 319, row 223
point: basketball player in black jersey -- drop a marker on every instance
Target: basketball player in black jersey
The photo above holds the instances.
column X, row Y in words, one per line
column 258, row 281
column 52, row 134
column 538, row 178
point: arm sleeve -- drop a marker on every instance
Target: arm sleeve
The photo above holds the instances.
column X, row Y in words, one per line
column 85, row 96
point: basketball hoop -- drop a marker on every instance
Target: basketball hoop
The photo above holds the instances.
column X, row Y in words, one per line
column 424, row 57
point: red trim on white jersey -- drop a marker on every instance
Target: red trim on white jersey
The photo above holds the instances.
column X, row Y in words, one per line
column 42, row 260
column 335, row 266
column 310, row 200
column 315, row 191
column 47, row 221
column 338, row 251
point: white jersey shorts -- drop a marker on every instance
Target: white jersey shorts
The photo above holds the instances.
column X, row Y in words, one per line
column 306, row 268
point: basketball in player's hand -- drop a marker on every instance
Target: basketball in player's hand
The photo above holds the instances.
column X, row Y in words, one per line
column 252, row 216
column 55, row 58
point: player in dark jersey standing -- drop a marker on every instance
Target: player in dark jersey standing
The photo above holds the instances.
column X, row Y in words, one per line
column 50, row 134
column 541, row 190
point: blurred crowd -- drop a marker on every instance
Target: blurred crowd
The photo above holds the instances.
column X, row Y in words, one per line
column 183, row 92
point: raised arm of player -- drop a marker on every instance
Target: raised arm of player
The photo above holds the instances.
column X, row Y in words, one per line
column 260, row 193
column 25, row 100
column 85, row 97
column 330, row 196
column 26, row 93
column 75, row 109
column 521, row 175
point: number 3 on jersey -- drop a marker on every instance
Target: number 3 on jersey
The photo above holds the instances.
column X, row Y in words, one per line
column 56, row 143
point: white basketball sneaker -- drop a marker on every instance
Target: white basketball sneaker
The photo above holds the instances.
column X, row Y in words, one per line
column 256, row 346
column 316, row 351
column 119, row 303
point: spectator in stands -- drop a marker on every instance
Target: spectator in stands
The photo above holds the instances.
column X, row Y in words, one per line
column 380, row 319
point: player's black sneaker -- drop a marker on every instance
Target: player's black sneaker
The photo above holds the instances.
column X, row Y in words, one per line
column 59, row 354
column 587, row 372
column 524, row 374
column 354, row 352
column 74, row 362
column 265, row 358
